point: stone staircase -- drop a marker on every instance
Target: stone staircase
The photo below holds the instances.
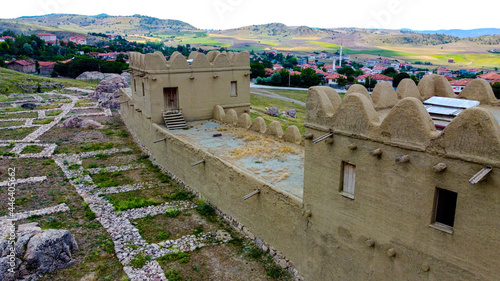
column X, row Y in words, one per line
column 174, row 120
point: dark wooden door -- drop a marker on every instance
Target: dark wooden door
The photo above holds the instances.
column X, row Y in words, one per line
column 171, row 99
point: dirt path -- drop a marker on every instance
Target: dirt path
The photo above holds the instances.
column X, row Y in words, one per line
column 264, row 93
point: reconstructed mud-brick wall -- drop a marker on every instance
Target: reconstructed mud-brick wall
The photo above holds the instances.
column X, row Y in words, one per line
column 386, row 229
column 200, row 82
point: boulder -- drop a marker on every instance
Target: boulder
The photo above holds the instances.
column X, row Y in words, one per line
column 292, row 113
column 37, row 252
column 50, row 251
column 126, row 76
column 91, row 75
column 110, row 100
column 89, row 123
column 74, row 122
column 107, row 93
column 273, row 111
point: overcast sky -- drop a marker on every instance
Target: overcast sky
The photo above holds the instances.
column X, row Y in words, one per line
column 224, row 14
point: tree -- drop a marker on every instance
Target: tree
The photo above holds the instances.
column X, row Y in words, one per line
column 370, row 83
column 309, row 78
column 346, row 70
column 120, row 58
column 342, row 82
column 37, row 67
column 399, row 77
column 276, row 79
column 390, row 71
column 496, row 89
column 4, row 47
column 257, row 69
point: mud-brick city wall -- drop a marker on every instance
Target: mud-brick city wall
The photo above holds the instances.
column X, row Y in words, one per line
column 273, row 216
column 386, row 230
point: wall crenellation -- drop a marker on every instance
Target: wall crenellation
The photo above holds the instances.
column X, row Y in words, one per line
column 214, row 60
column 474, row 134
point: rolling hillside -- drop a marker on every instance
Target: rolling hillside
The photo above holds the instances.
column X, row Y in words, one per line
column 402, row 44
column 80, row 24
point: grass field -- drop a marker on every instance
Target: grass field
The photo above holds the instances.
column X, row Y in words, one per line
column 259, row 104
column 9, row 78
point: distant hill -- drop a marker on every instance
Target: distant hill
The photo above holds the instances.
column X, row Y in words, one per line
column 462, row 33
column 467, row 48
column 102, row 23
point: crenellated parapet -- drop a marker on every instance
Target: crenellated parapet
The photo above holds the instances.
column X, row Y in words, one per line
column 214, row 60
column 474, row 134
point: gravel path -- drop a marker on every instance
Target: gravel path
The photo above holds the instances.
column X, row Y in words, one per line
column 264, row 93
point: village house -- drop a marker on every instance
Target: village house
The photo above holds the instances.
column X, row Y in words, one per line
column 3, row 38
column 25, row 66
column 378, row 69
column 459, row 85
column 490, row 76
column 378, row 77
column 109, row 56
column 46, row 67
column 396, row 65
column 78, row 40
column 371, row 62
column 331, row 79
column 323, row 56
column 49, row 38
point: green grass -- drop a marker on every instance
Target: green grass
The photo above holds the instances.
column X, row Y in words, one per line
column 470, row 60
column 259, row 103
column 43, row 121
column 132, row 202
column 48, row 106
column 15, row 134
column 32, row 114
column 9, row 78
column 104, row 179
column 140, row 261
column 32, row 149
column 379, row 52
column 181, row 257
column 325, row 45
column 53, row 113
column 11, row 123
column 13, row 109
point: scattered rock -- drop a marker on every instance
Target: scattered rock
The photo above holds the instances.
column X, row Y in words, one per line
column 292, row 113
column 126, row 76
column 74, row 122
column 89, row 123
column 273, row 111
column 37, row 252
column 107, row 93
column 91, row 75
column 50, row 250
column 77, row 122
